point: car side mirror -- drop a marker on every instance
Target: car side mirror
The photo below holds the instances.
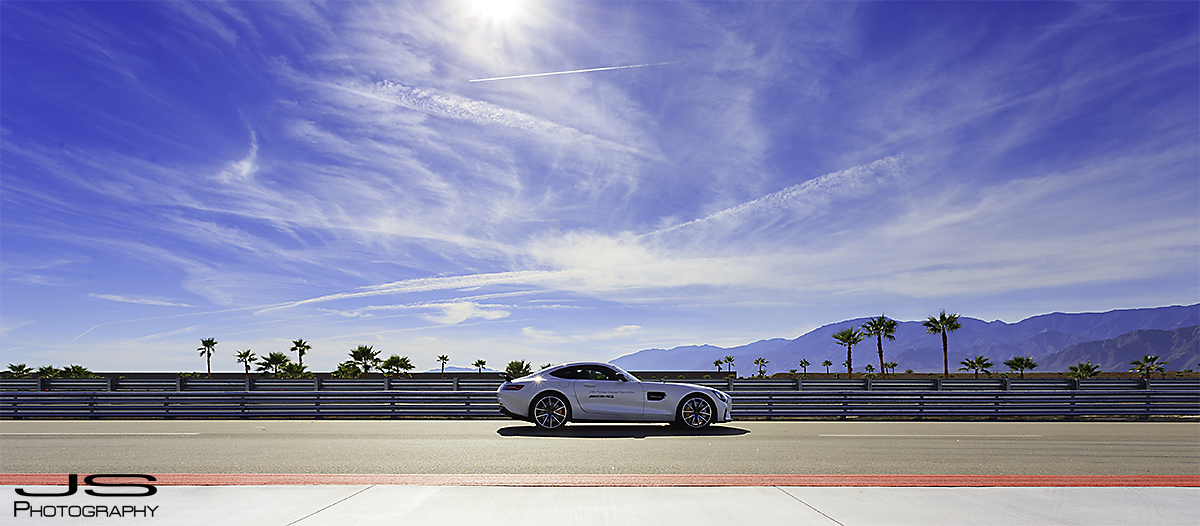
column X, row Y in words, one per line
column 622, row 378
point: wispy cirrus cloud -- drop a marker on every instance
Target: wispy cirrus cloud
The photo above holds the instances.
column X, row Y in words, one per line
column 140, row 300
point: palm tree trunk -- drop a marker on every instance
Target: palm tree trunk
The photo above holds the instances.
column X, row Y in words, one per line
column 945, row 356
column 849, row 363
column 882, row 369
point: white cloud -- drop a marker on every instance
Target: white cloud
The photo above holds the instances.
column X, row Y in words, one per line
column 162, row 302
column 543, row 335
column 458, row 312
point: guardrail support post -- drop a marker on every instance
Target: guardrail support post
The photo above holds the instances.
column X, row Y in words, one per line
column 937, row 384
column 109, row 387
column 730, row 382
column 41, row 384
column 799, row 384
column 178, row 383
column 456, row 384
column 868, row 383
column 387, row 383
column 1008, row 384
column 1075, row 384
column 249, row 384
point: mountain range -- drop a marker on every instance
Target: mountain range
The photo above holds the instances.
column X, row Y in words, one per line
column 1108, row 339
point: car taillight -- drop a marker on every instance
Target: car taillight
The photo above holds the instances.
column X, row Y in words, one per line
column 512, row 387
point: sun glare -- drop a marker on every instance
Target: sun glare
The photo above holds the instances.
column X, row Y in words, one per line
column 497, row 9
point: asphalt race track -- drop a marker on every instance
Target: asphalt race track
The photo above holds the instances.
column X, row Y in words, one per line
column 505, row 447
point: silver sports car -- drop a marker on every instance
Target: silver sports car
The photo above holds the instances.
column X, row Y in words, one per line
column 601, row 392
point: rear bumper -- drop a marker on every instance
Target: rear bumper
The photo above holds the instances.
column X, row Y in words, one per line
column 510, row 414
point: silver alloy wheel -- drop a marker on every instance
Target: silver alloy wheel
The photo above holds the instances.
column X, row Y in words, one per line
column 550, row 412
column 696, row 412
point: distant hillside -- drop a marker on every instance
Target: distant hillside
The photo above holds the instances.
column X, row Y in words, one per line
column 1180, row 347
column 1038, row 336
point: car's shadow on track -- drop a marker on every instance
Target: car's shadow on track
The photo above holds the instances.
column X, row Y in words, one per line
column 618, row 431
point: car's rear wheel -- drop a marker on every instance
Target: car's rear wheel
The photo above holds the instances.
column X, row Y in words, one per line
column 550, row 411
column 696, row 412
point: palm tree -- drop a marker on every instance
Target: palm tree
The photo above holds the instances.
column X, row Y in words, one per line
column 443, row 358
column 804, row 363
column 880, row 328
column 1147, row 365
column 479, row 364
column 300, row 347
column 76, row 371
column 1021, row 364
column 246, row 358
column 762, row 366
column 1083, row 370
column 941, row 324
column 518, row 368
column 826, row 364
column 19, row 371
column 849, row 337
column 295, row 370
column 273, row 364
column 347, row 369
column 719, row 363
column 365, row 357
column 48, row 371
column 869, row 368
column 729, row 360
column 890, row 366
column 207, row 347
column 978, row 363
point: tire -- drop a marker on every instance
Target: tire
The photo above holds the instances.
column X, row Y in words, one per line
column 695, row 412
column 550, row 411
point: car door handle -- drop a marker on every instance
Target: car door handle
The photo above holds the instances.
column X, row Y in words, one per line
column 589, row 385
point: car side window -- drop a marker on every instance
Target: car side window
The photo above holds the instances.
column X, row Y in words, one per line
column 600, row 373
column 569, row 373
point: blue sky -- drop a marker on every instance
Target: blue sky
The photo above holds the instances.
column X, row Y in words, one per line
column 264, row 171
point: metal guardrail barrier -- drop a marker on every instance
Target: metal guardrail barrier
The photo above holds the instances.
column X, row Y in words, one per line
column 476, row 404
column 963, row 404
column 248, row 384
column 248, row 404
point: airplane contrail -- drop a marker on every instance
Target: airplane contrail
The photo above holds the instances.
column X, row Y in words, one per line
column 572, row 71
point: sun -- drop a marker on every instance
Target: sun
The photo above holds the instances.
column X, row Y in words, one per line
column 496, row 9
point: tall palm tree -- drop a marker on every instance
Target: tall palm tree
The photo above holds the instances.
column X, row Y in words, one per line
column 479, row 364
column 729, row 360
column 849, row 337
column 207, row 347
column 827, row 364
column 978, row 363
column 762, row 366
column 300, row 347
column 1083, row 370
column 246, row 358
column 1147, row 365
column 1021, row 364
column 273, row 364
column 880, row 328
column 443, row 358
column 804, row 363
column 941, row 324
column 365, row 357
column 719, row 363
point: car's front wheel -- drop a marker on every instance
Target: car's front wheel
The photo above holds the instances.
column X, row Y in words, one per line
column 550, row 411
column 696, row 412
